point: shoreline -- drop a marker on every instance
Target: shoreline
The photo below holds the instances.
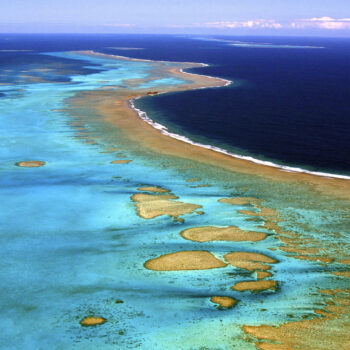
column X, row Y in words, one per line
column 164, row 130
column 117, row 108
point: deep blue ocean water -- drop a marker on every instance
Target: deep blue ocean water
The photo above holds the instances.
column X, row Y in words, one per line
column 287, row 105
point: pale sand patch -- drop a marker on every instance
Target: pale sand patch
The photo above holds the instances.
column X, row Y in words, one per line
column 249, row 261
column 150, row 206
column 75, row 124
column 185, row 260
column 306, row 250
column 123, row 161
column 249, row 212
column 30, row 163
column 92, row 321
column 212, row 233
column 193, row 180
column 255, row 286
column 314, row 258
column 262, row 274
column 153, row 189
column 225, row 302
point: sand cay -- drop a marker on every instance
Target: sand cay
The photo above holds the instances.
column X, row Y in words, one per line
column 213, row 233
column 185, row 260
column 150, row 206
column 31, row 163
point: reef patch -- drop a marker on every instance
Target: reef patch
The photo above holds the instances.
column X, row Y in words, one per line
column 92, row 321
column 150, row 206
column 255, row 286
column 185, row 260
column 213, row 233
column 224, row 302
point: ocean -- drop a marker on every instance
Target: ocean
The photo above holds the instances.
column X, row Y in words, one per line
column 74, row 242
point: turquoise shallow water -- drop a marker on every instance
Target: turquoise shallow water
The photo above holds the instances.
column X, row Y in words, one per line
column 72, row 243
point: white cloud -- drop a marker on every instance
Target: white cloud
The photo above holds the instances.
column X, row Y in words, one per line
column 260, row 23
column 322, row 23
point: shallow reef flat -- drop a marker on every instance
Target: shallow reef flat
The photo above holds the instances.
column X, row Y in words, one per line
column 141, row 254
column 329, row 331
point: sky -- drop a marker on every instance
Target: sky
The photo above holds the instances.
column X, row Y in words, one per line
column 231, row 17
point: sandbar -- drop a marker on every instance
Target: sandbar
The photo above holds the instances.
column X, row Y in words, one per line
column 31, row 163
column 185, row 260
column 213, row 233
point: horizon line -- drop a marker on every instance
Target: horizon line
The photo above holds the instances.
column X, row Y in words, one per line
column 179, row 34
